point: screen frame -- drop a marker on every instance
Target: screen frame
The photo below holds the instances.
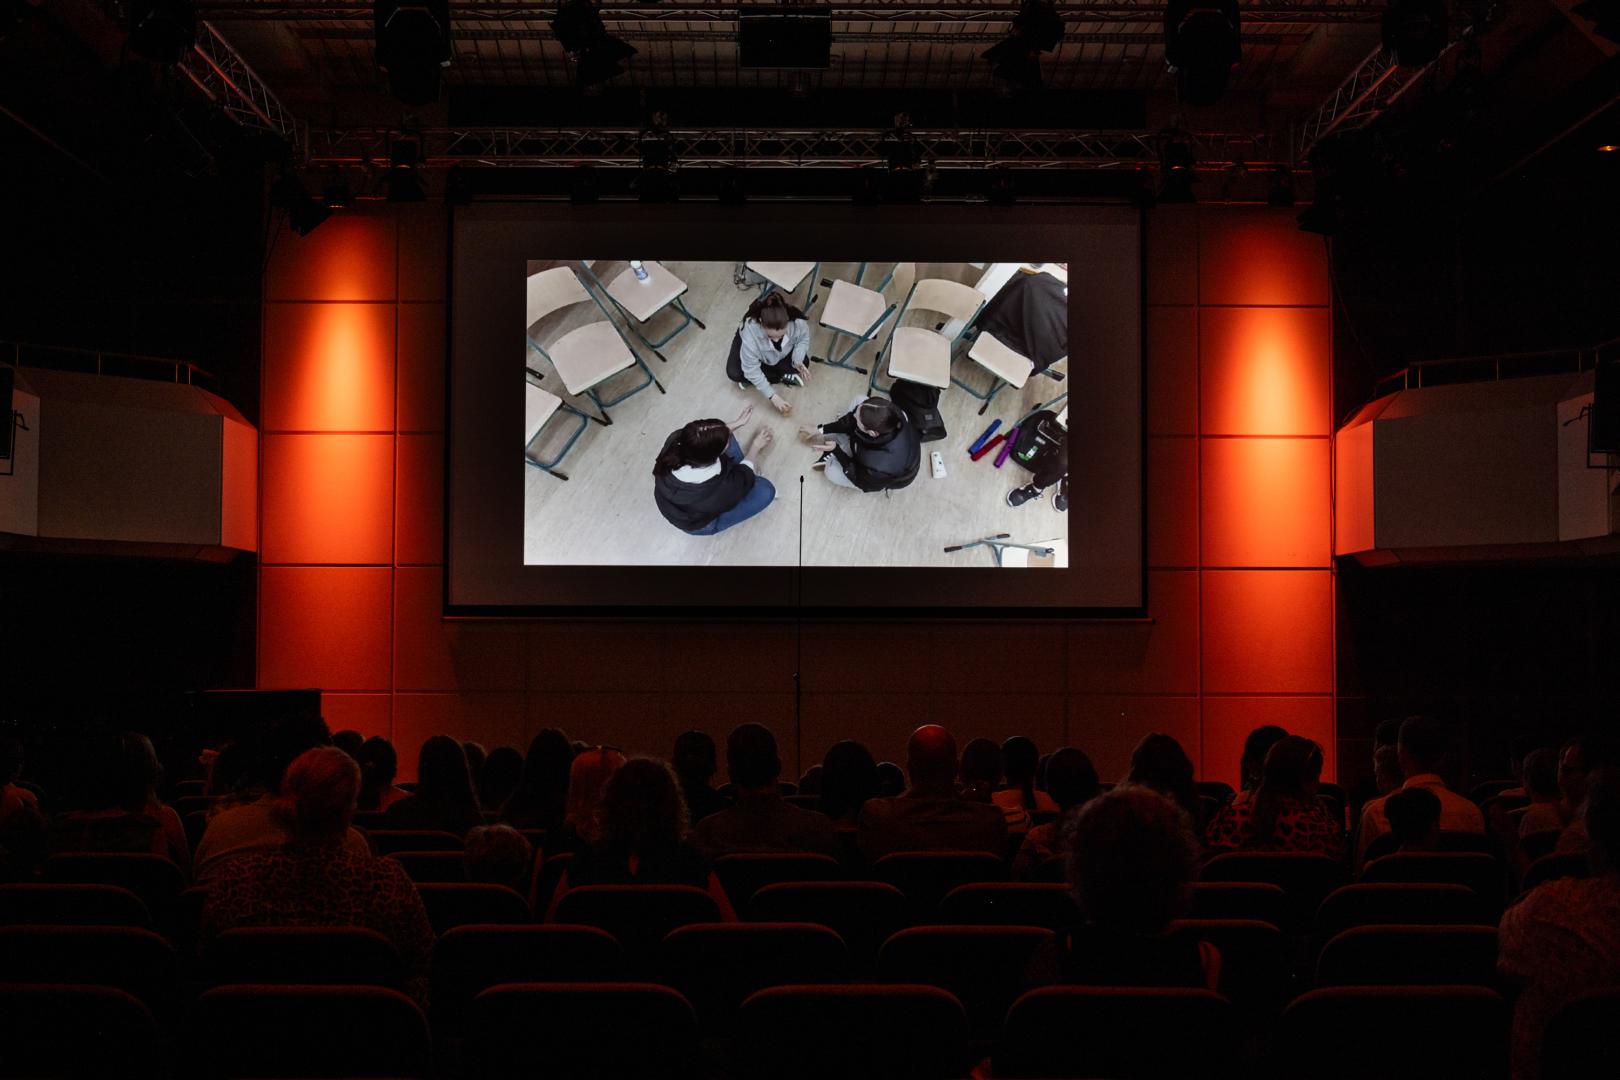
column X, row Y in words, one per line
column 541, row 214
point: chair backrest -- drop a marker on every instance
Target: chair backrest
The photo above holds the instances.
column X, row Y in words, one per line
column 322, row 955
column 1118, row 1031
column 1540, row 843
column 1396, row 903
column 1218, row 790
column 1255, row 959
column 1583, row 1038
column 72, row 905
column 459, row 903
column 743, row 875
column 1401, row 1032
column 1009, row 903
column 154, row 879
column 582, row 1029
column 1258, row 900
column 638, row 915
column 1389, row 843
column 951, row 298
column 388, row 841
column 191, row 804
column 1550, row 867
column 926, row 876
column 468, row 960
column 183, row 788
column 552, row 290
column 310, row 1031
column 1408, row 955
column 863, row 913
column 134, row 960
column 1479, row 872
column 984, row 967
column 1305, row 878
column 862, row 1031
column 548, row 872
column 369, row 821
column 716, row 966
column 1485, row 789
column 46, row 1028
column 432, row 866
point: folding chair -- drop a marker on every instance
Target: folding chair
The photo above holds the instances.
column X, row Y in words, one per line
column 72, row 905
column 640, row 300
column 985, row 967
column 579, row 1030
column 904, row 1031
column 1006, row 366
column 1406, row 955
column 586, row 356
column 855, row 311
column 787, row 276
column 539, row 406
column 388, row 841
column 309, row 1031
column 467, row 960
column 323, row 955
column 1398, row 1032
column 921, row 355
column 716, row 966
column 78, row 1031
column 1120, row 1032
column 451, row 904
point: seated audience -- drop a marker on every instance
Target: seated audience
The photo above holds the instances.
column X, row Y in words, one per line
column 1159, row 762
column 349, row 741
column 121, row 810
column 13, row 796
column 1131, row 861
column 1422, row 746
column 1020, row 763
column 703, row 480
column 588, row 777
column 1414, row 819
column 476, row 756
column 810, row 782
column 444, row 797
column 379, row 764
column 760, row 820
column 1283, row 813
column 1563, row 938
column 849, row 777
column 694, row 763
column 640, row 836
column 1546, row 810
column 1252, row 765
column 872, row 447
column 978, row 775
column 260, row 822
column 930, row 815
column 541, row 798
column 502, row 772
column 1386, row 770
column 315, row 878
column 1071, row 780
column 891, row 779
column 1580, row 758
column 499, row 855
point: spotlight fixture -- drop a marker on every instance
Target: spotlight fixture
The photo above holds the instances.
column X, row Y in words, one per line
column 413, row 46
column 597, row 55
column 1608, row 148
column 656, row 147
column 1036, row 29
column 900, row 147
column 162, row 30
column 1201, row 46
column 304, row 213
column 1176, row 172
column 1281, row 192
column 404, row 182
column 1415, row 31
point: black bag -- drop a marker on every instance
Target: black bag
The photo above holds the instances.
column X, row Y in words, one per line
column 921, row 405
column 1040, row 439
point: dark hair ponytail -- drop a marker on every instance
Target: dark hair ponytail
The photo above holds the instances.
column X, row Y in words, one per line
column 772, row 311
column 700, row 442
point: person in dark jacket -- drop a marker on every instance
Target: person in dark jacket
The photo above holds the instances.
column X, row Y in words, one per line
column 873, row 447
column 704, row 483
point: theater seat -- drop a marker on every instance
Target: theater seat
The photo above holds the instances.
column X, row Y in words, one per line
column 468, row 960
column 984, row 967
column 1582, row 1039
column 861, row 1032
column 452, row 904
column 1409, row 955
column 1127, row 1032
column 1256, row 900
column 432, row 867
column 72, row 905
column 863, row 913
column 1551, row 867
column 154, row 879
column 136, row 961
column 638, row 915
column 309, row 1031
column 1482, row 873
column 716, row 966
column 298, row 955
column 388, row 841
column 625, row 1031
column 1396, row 903
column 742, row 875
column 75, row 1031
column 1305, row 878
column 1008, row 903
column 1399, row 1032
column 1254, row 959
column 926, row 876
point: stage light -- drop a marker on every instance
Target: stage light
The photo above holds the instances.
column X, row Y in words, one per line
column 596, row 54
column 413, row 46
column 162, row 30
column 1036, row 29
column 1415, row 31
column 1608, row 148
column 404, row 182
column 1281, row 192
column 1176, row 172
column 304, row 213
column 1201, row 46
column 900, row 147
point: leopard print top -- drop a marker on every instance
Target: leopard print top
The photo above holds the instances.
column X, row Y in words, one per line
column 1302, row 826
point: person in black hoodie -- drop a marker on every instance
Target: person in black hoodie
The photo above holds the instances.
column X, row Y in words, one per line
column 873, row 447
column 704, row 483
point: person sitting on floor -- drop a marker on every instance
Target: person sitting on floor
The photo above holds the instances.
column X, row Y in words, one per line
column 872, row 447
column 930, row 815
column 1071, row 781
column 1284, row 814
column 770, row 348
column 703, row 481
column 761, row 820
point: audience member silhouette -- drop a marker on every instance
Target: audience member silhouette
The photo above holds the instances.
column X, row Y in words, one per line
column 1577, row 761
column 13, row 796
column 1252, row 765
column 849, row 777
column 979, row 773
column 541, row 798
column 588, row 777
column 1423, row 745
column 1414, row 819
column 1546, row 810
column 694, row 762
column 502, row 771
column 930, row 815
column 1283, row 814
column 1386, row 769
column 349, row 741
column 120, row 810
column 1020, row 760
column 1071, row 781
column 379, row 764
column 891, row 779
column 499, row 855
column 1159, row 762
column 760, row 820
column 444, row 798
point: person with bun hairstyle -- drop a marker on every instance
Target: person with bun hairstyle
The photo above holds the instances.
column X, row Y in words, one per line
column 704, row 483
column 769, row 348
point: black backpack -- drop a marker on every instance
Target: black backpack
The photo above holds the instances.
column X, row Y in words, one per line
column 1040, row 438
column 921, row 405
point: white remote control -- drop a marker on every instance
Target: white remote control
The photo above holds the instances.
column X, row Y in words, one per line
column 939, row 464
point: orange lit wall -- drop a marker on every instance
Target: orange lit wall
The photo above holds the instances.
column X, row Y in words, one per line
column 1240, row 525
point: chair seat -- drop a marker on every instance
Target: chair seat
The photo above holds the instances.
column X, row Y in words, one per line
column 851, row 309
column 920, row 356
column 1000, row 361
column 644, row 299
column 538, row 405
column 586, row 356
column 784, row 275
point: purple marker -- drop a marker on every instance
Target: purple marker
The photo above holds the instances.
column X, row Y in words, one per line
column 1012, row 437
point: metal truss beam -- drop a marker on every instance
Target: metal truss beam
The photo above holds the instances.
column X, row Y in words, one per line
column 221, row 75
column 892, row 36
column 1365, row 94
column 841, row 148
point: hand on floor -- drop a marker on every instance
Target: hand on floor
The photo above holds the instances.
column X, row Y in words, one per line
column 781, row 405
column 747, row 414
column 759, row 444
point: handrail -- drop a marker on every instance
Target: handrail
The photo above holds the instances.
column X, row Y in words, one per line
column 1506, row 365
column 192, row 374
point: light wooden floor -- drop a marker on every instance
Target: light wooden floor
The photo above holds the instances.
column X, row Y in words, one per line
column 605, row 515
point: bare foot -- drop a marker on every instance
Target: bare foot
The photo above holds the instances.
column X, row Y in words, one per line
column 809, row 433
column 737, row 424
column 760, row 443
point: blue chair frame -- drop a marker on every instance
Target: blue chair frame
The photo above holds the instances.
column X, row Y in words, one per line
column 679, row 304
column 870, row 334
column 815, row 273
column 593, row 393
column 872, row 380
column 550, row 466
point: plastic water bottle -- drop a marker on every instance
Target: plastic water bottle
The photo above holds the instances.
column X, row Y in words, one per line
column 641, row 271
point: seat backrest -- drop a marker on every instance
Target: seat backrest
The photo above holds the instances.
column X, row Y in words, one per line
column 1409, row 955
column 548, row 872
column 984, row 967
column 1369, row 904
column 638, row 915
column 862, row 1030
column 1583, row 1038
column 369, row 821
column 951, row 298
column 1450, row 840
column 1550, row 867
column 46, row 1028
column 468, row 960
column 1540, row 843
column 1305, row 878
column 863, row 913
column 742, row 875
column 1118, row 1031
column 926, row 876
column 1258, row 900
column 154, row 879
column 1218, row 790
column 1009, row 903
column 717, row 965
column 1479, row 872
column 459, row 903
column 134, row 960
column 582, row 1029
column 552, row 290
column 1401, row 1032
column 72, row 905
column 432, row 866
column 1485, row 789
column 191, row 804
column 322, row 955
column 260, row 1030
column 388, row 841
column 1255, row 959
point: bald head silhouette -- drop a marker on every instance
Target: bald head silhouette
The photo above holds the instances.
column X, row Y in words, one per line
column 931, row 756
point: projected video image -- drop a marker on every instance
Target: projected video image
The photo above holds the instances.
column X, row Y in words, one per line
column 796, row 413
